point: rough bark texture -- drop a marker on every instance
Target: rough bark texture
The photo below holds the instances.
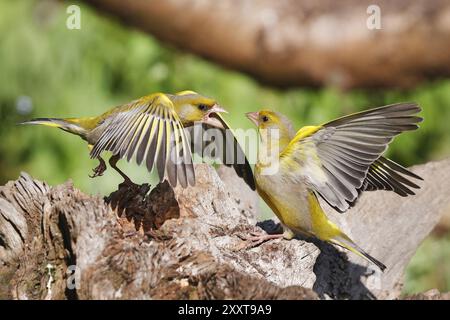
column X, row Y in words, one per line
column 292, row 42
column 185, row 243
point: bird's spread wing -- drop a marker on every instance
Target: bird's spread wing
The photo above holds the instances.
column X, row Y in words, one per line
column 225, row 146
column 385, row 174
column 150, row 130
column 342, row 158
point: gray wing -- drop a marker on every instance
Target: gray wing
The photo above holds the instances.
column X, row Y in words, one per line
column 350, row 149
column 221, row 145
column 385, row 174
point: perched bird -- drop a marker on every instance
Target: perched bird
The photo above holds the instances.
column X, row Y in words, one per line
column 152, row 129
column 335, row 161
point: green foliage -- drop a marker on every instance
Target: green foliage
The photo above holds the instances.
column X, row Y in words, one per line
column 429, row 268
column 70, row 73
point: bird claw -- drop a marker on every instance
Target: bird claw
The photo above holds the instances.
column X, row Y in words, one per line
column 255, row 239
column 98, row 170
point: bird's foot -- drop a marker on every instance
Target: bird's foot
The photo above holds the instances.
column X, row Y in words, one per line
column 255, row 239
column 98, row 170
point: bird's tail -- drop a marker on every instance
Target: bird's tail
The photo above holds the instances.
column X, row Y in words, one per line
column 344, row 241
column 50, row 122
column 77, row 126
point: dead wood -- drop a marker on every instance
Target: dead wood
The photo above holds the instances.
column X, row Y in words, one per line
column 59, row 243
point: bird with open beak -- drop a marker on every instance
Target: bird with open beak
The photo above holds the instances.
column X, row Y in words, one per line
column 152, row 130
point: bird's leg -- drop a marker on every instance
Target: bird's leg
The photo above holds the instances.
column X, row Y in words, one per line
column 254, row 239
column 98, row 170
column 112, row 162
column 257, row 238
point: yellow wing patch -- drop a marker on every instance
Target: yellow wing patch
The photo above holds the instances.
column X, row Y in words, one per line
column 305, row 132
column 301, row 134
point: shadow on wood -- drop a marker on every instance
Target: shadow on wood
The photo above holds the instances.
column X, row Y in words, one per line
column 145, row 210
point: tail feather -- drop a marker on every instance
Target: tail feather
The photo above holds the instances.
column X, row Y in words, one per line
column 73, row 125
column 50, row 122
column 347, row 243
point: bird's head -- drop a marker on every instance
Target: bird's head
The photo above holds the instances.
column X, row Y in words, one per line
column 269, row 120
column 193, row 107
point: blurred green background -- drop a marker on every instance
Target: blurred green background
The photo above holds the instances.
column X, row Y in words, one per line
column 49, row 70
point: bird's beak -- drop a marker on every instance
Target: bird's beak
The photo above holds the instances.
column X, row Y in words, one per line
column 212, row 118
column 217, row 109
column 253, row 117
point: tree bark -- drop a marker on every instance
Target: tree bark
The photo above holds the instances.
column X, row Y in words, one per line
column 59, row 243
column 298, row 43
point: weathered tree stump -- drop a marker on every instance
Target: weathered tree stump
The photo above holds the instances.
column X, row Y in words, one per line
column 59, row 243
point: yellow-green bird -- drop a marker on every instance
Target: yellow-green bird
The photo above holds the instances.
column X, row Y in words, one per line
column 152, row 129
column 335, row 161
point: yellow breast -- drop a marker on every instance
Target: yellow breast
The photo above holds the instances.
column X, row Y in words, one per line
column 289, row 202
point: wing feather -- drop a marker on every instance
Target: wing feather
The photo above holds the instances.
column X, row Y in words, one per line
column 160, row 154
column 238, row 158
column 348, row 150
column 188, row 169
column 385, row 174
column 144, row 139
column 230, row 151
column 172, row 168
column 151, row 155
column 116, row 138
column 136, row 137
column 149, row 129
column 125, row 144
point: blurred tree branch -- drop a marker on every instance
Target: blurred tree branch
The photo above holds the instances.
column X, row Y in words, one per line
column 291, row 43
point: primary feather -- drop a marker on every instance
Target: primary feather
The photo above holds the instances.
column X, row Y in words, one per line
column 348, row 151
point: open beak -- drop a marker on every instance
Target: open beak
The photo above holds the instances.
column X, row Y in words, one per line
column 253, row 117
column 217, row 109
column 213, row 119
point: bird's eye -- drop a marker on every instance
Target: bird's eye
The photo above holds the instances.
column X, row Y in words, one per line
column 265, row 118
column 202, row 107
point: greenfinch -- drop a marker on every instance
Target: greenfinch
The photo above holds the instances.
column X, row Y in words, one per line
column 152, row 129
column 335, row 161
